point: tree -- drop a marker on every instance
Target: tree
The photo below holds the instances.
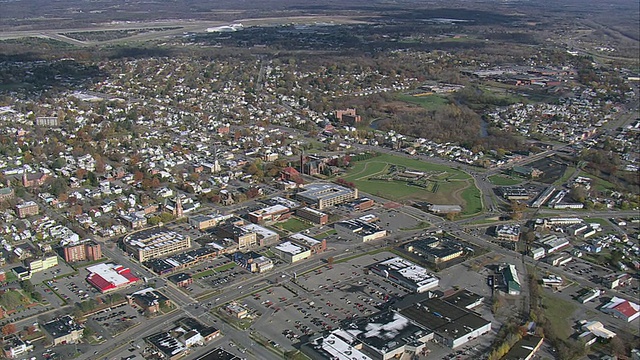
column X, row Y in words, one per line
column 9, row 329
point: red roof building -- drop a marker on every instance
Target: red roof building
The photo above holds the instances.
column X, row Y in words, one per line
column 109, row 277
column 622, row 309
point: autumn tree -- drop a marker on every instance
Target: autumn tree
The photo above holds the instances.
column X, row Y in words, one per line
column 9, row 329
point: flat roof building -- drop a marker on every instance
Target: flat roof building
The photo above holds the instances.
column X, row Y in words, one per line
column 63, row 330
column 154, row 243
column 356, row 229
column 291, row 252
column 325, row 195
column 453, row 325
column 406, row 273
column 316, row 246
column 109, row 277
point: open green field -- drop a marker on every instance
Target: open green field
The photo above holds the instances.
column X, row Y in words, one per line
column 501, row 180
column 452, row 186
column 429, row 102
column 293, row 225
column 558, row 311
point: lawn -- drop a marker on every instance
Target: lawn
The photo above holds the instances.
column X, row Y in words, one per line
column 13, row 299
column 293, row 225
column 500, row 180
column 473, row 200
column 202, row 274
column 558, row 311
column 452, row 186
column 429, row 102
column 224, row 267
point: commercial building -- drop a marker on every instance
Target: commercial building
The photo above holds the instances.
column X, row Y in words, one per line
column 88, row 251
column 359, row 230
column 434, row 250
column 507, row 232
column 156, row 242
column 244, row 237
column 63, row 330
column 253, row 261
column 182, row 260
column 453, row 325
column 203, row 222
column 150, row 300
column 181, row 279
column 44, row 263
column 511, row 279
column 235, row 310
column 264, row 236
column 525, row 348
column 109, row 277
column 325, row 195
column 406, row 273
column 333, row 346
column 313, row 215
column 552, row 243
column 26, row 209
column 386, row 335
column 622, row 309
column 361, row 204
column 14, row 347
column 269, row 214
column 168, row 345
column 514, row 193
column 291, row 252
column 589, row 295
column 316, row 246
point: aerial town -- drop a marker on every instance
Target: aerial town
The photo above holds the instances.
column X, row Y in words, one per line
column 450, row 185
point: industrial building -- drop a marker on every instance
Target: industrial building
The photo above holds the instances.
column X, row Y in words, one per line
column 154, row 243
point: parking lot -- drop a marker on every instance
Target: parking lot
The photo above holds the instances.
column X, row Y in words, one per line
column 320, row 300
column 112, row 321
column 72, row 289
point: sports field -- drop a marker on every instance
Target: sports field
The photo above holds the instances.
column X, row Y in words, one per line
column 448, row 185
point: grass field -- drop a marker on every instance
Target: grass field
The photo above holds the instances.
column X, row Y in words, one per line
column 501, row 180
column 429, row 102
column 453, row 186
column 293, row 225
column 557, row 311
